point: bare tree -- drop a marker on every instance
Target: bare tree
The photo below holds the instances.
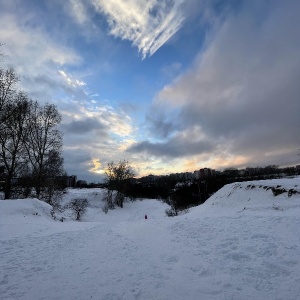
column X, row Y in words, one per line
column 13, row 132
column 13, row 113
column 1, row 54
column 117, row 177
column 8, row 81
column 55, row 174
column 44, row 145
column 78, row 206
column 30, row 143
column 173, row 202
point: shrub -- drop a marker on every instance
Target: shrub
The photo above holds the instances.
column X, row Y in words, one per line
column 105, row 208
column 277, row 191
column 79, row 207
column 170, row 212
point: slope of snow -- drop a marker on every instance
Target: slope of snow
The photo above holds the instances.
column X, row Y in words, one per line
column 253, row 197
column 242, row 243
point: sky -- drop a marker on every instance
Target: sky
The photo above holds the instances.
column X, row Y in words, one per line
column 170, row 86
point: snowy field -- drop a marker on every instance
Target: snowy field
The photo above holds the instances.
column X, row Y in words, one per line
column 243, row 243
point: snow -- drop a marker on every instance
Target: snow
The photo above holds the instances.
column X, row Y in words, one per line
column 242, row 243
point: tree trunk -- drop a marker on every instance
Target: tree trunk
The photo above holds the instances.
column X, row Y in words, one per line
column 7, row 189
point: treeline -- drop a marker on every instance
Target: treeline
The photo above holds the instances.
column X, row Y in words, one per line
column 176, row 190
column 184, row 193
column 180, row 195
column 30, row 143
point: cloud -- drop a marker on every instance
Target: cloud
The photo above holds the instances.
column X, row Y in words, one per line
column 80, row 162
column 36, row 57
column 185, row 143
column 147, row 24
column 73, row 82
column 161, row 124
column 100, row 132
column 82, row 117
column 31, row 44
column 83, row 126
column 171, row 70
column 81, row 15
column 79, row 12
column 243, row 91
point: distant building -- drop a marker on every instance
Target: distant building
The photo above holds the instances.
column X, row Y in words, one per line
column 71, row 181
column 148, row 180
column 188, row 176
column 204, row 173
column 197, row 174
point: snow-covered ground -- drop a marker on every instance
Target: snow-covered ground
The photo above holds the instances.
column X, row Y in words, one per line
column 243, row 243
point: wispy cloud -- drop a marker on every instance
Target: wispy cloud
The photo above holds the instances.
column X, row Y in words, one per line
column 36, row 57
column 32, row 45
column 147, row 24
column 78, row 10
column 70, row 80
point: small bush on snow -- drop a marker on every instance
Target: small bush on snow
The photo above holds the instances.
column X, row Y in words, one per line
column 170, row 212
column 78, row 206
column 105, row 208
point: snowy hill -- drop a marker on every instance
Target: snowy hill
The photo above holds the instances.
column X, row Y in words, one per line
column 258, row 197
column 242, row 243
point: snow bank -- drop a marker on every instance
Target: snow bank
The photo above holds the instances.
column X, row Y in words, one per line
column 30, row 217
column 24, row 208
column 253, row 197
